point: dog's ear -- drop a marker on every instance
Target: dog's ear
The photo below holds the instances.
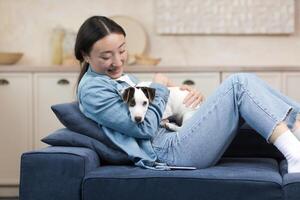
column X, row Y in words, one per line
column 128, row 94
column 149, row 92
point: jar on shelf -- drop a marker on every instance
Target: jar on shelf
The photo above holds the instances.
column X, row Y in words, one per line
column 68, row 57
column 58, row 35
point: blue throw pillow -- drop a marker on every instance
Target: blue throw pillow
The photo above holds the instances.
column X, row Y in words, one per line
column 66, row 137
column 72, row 118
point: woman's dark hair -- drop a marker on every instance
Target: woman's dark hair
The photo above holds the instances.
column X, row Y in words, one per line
column 92, row 30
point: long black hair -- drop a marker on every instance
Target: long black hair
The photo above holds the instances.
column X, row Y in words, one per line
column 92, row 30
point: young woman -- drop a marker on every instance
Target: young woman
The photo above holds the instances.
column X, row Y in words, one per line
column 101, row 49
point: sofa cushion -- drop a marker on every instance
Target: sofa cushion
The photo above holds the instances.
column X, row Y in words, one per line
column 66, row 137
column 231, row 178
column 72, row 118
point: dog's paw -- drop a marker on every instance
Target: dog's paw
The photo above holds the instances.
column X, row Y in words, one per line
column 163, row 122
column 172, row 127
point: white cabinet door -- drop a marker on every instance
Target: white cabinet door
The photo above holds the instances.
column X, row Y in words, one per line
column 15, row 123
column 274, row 79
column 205, row 82
column 50, row 89
column 291, row 85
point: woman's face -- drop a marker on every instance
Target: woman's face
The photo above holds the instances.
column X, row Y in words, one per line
column 108, row 55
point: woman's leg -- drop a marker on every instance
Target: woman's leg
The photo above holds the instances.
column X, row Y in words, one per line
column 295, row 105
column 294, row 113
column 203, row 138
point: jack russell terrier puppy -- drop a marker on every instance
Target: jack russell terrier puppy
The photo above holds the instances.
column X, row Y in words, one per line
column 139, row 98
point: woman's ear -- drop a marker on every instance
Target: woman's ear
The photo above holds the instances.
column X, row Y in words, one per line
column 86, row 57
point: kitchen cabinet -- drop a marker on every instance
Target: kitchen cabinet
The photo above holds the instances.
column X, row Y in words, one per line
column 50, row 89
column 26, row 117
column 16, row 120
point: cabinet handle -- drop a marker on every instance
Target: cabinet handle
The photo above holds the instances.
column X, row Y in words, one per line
column 4, row 82
column 63, row 82
column 188, row 82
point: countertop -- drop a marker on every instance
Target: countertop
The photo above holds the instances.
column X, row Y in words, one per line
column 144, row 69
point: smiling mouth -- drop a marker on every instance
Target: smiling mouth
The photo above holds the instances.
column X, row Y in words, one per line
column 112, row 69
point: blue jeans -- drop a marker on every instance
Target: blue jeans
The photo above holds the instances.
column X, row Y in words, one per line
column 203, row 139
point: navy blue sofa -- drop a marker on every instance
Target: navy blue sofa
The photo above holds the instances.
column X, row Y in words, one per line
column 249, row 169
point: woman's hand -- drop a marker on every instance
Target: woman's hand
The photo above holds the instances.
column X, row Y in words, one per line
column 162, row 79
column 194, row 97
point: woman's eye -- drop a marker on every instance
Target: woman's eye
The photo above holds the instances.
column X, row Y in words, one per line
column 123, row 51
column 105, row 58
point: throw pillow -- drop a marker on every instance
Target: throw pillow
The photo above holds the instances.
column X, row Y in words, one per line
column 72, row 118
column 66, row 137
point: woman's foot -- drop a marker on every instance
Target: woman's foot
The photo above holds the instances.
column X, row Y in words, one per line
column 294, row 165
column 289, row 146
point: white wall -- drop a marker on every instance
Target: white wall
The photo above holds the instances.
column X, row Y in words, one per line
column 26, row 25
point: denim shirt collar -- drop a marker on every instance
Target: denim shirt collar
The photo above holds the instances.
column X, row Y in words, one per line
column 120, row 85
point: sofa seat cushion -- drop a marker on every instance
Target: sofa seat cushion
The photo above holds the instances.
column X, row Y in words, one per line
column 231, row 178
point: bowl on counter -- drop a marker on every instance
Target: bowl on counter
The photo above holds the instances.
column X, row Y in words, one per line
column 9, row 58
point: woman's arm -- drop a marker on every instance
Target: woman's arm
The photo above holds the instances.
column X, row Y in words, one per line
column 104, row 105
column 164, row 80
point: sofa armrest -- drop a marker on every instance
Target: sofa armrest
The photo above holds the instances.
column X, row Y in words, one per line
column 55, row 172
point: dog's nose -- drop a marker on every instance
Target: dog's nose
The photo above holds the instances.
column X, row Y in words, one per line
column 138, row 119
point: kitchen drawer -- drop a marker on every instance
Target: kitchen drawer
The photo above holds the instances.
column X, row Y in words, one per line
column 204, row 82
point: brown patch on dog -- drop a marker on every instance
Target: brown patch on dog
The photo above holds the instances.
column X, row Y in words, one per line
column 149, row 92
column 128, row 94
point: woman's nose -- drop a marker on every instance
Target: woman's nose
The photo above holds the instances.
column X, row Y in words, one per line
column 117, row 60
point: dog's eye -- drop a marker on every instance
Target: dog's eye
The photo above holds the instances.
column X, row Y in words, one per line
column 132, row 103
column 145, row 103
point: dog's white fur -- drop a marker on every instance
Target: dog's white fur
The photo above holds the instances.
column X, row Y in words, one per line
column 140, row 108
column 177, row 109
column 174, row 107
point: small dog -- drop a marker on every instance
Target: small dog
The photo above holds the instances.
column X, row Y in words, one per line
column 139, row 98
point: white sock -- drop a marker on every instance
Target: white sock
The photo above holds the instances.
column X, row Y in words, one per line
column 297, row 133
column 289, row 146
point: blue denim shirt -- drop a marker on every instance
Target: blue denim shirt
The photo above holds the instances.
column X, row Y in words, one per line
column 100, row 99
